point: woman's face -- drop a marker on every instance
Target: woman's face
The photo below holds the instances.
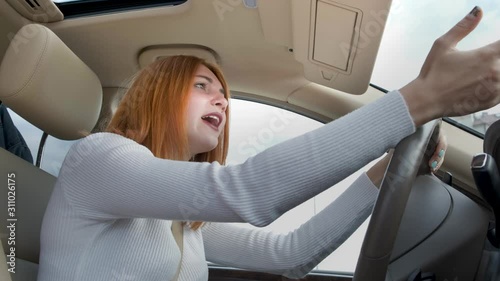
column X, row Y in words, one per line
column 206, row 111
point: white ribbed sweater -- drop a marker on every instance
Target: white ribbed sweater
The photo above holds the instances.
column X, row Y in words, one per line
column 110, row 213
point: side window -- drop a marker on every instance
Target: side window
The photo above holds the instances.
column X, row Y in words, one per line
column 54, row 150
column 30, row 133
column 53, row 154
column 255, row 127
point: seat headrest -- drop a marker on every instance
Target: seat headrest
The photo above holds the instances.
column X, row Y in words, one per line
column 43, row 81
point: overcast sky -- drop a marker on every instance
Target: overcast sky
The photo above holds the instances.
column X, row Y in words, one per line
column 414, row 25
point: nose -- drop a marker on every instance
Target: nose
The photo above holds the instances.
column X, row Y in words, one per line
column 220, row 101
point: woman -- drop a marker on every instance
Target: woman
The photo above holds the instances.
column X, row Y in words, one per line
column 111, row 212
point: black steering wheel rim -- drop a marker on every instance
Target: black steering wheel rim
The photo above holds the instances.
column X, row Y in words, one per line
column 410, row 158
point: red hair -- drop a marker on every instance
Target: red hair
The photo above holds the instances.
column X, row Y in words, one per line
column 157, row 103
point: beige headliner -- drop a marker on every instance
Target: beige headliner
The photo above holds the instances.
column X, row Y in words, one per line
column 255, row 68
column 244, row 54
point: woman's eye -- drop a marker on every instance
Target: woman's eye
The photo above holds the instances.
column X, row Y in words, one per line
column 202, row 86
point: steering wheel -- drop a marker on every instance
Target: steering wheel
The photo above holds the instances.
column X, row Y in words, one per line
column 410, row 158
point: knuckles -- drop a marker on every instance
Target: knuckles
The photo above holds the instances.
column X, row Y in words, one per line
column 441, row 42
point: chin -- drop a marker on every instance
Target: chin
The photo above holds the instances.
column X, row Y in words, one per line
column 207, row 147
column 212, row 147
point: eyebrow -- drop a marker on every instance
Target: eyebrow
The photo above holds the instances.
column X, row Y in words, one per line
column 210, row 81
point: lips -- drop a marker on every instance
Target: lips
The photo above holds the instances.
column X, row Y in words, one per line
column 213, row 119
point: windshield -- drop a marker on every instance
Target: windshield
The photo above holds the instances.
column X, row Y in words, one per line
column 411, row 29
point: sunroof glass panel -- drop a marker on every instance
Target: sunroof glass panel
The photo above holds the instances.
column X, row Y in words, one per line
column 79, row 8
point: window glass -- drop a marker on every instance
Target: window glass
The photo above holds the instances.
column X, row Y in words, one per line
column 31, row 134
column 255, row 127
column 53, row 154
column 78, row 8
column 412, row 27
column 54, row 150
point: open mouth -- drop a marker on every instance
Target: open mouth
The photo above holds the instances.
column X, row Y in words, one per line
column 213, row 120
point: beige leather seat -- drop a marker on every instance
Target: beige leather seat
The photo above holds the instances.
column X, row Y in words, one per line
column 43, row 81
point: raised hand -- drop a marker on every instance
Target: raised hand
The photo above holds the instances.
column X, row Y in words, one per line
column 453, row 82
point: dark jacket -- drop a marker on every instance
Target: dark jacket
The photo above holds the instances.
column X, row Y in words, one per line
column 10, row 138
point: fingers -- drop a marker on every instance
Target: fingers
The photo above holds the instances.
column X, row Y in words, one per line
column 437, row 158
column 462, row 28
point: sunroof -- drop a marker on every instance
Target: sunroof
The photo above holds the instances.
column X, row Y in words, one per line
column 77, row 8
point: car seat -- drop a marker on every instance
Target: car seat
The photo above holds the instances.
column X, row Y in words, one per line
column 44, row 82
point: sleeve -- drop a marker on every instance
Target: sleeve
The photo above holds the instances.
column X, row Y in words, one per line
column 298, row 252
column 106, row 176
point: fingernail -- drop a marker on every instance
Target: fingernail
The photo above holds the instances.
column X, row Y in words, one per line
column 434, row 164
column 441, row 153
column 474, row 11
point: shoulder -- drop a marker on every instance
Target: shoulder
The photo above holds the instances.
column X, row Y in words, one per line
column 100, row 139
column 101, row 142
column 96, row 148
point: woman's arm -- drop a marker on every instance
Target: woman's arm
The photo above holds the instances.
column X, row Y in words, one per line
column 107, row 176
column 123, row 179
column 296, row 253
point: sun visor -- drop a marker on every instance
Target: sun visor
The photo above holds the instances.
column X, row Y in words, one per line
column 337, row 41
column 43, row 81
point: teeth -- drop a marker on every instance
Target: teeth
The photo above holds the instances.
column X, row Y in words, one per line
column 212, row 117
